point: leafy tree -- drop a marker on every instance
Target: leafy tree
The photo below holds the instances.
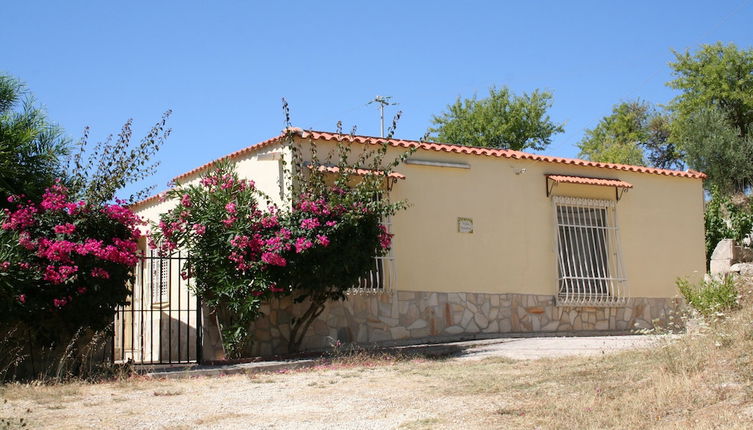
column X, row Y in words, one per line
column 99, row 171
column 503, row 120
column 724, row 219
column 713, row 114
column 30, row 145
column 719, row 76
column 634, row 133
column 716, row 148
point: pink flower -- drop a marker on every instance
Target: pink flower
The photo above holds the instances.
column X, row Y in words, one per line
column 186, row 200
column 99, row 272
column 269, row 222
column 385, row 237
column 58, row 275
column 81, row 290
column 24, row 239
column 229, row 221
column 64, row 228
column 309, row 223
column 302, row 244
column 24, row 265
column 322, row 240
column 199, row 229
column 4, row 266
column 273, row 259
column 284, row 233
column 54, row 197
column 230, row 208
column 330, row 223
column 22, row 298
column 275, row 289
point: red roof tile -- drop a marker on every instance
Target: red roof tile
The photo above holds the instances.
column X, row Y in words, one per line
column 441, row 147
column 589, row 181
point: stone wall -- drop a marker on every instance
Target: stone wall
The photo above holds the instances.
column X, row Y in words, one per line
column 403, row 317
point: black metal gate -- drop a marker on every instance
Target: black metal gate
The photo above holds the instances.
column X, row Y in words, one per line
column 162, row 323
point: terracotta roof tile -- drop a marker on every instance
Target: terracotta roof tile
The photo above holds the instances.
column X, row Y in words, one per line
column 589, row 181
column 442, row 147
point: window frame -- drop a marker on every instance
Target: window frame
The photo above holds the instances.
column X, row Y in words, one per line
column 588, row 251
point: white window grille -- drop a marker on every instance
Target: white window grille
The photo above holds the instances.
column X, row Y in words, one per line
column 384, row 275
column 588, row 253
column 160, row 278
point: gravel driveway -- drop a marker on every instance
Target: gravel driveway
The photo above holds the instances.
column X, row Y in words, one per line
column 544, row 347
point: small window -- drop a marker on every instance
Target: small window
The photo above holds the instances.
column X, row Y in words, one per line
column 383, row 276
column 160, row 279
column 588, row 253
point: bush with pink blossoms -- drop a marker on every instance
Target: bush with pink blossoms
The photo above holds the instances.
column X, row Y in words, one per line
column 243, row 250
column 64, row 265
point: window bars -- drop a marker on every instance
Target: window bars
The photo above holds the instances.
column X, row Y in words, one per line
column 160, row 279
column 589, row 253
column 384, row 275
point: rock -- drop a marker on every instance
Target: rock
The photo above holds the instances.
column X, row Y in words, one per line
column 399, row 333
column 744, row 269
column 481, row 320
column 417, row 324
column 454, row 329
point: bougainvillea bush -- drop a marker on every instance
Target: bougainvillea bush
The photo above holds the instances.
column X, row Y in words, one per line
column 64, row 264
column 244, row 250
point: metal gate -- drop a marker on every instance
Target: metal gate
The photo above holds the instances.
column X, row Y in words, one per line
column 162, row 323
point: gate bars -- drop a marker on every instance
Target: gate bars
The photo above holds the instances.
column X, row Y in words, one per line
column 162, row 324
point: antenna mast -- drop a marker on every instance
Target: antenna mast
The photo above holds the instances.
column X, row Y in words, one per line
column 382, row 101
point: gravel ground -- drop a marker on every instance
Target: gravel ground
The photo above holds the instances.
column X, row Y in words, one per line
column 367, row 396
column 549, row 347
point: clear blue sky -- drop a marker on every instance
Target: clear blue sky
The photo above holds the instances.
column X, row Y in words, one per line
column 223, row 66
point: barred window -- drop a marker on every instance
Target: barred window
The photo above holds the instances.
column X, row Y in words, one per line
column 382, row 277
column 588, row 253
column 160, row 278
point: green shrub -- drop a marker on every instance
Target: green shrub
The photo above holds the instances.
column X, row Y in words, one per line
column 711, row 298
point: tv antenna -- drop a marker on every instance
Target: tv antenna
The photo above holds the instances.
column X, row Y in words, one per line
column 382, row 101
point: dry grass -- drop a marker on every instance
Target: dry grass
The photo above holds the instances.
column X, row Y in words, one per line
column 700, row 380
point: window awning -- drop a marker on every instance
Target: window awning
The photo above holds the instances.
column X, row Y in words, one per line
column 619, row 186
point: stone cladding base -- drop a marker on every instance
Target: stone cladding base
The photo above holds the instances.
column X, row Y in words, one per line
column 401, row 317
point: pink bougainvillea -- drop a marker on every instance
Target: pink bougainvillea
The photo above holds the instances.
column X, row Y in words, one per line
column 65, row 246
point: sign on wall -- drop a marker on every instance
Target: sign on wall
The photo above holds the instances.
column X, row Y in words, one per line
column 465, row 225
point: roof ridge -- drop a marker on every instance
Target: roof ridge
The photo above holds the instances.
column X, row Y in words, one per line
column 437, row 146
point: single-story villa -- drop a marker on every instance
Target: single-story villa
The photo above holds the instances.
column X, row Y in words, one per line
column 494, row 241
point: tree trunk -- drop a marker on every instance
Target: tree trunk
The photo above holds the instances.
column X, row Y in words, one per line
column 300, row 326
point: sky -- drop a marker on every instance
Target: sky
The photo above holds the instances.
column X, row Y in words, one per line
column 223, row 66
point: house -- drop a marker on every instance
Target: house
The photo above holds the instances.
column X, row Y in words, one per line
column 495, row 241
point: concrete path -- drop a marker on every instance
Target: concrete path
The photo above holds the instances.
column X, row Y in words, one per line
column 519, row 348
column 543, row 347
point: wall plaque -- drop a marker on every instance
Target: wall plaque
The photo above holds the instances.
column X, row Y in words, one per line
column 465, row 225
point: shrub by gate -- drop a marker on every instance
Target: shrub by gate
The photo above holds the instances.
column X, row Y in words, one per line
column 162, row 322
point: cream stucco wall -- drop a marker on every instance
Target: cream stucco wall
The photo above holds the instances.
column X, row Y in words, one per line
column 263, row 167
column 512, row 248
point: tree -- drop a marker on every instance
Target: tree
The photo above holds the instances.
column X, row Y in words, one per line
column 98, row 172
column 31, row 146
column 503, row 120
column 715, row 147
column 634, row 133
column 718, row 76
column 713, row 114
